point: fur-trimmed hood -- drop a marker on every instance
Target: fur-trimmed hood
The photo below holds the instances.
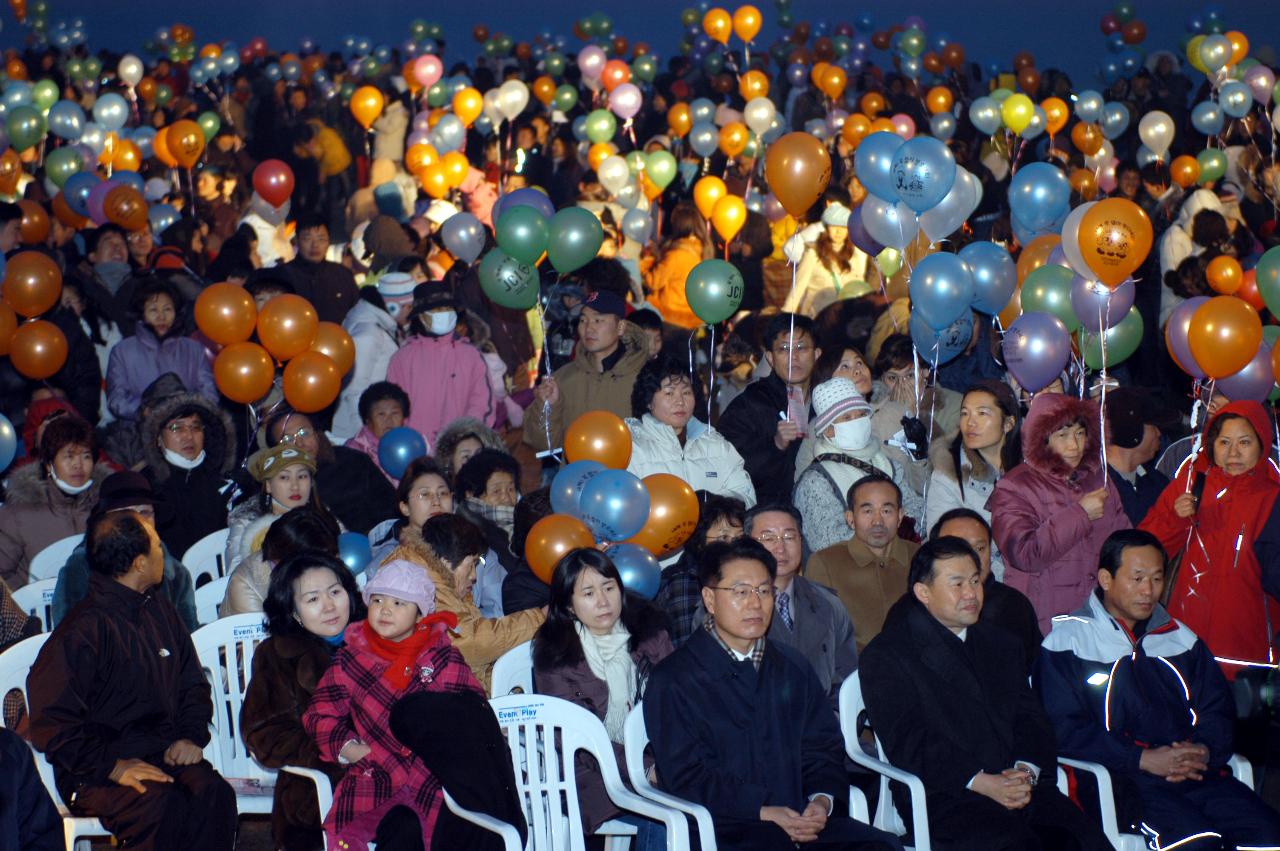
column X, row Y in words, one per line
column 219, row 433
column 1050, row 412
column 454, row 433
column 26, row 487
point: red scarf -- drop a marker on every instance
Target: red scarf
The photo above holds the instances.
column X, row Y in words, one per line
column 401, row 655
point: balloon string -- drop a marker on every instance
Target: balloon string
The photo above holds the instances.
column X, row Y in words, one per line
column 1200, row 391
column 791, row 334
column 711, row 374
column 546, row 403
column 1102, row 399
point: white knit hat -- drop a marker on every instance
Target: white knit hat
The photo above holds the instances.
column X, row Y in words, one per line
column 396, row 285
column 836, row 215
column 832, row 399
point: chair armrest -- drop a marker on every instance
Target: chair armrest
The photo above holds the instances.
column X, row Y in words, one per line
column 324, row 789
column 858, row 805
column 1242, row 769
column 671, row 816
column 1106, row 795
column 510, row 836
column 915, row 786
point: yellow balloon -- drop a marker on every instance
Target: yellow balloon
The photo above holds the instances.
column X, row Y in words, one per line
column 1193, row 54
column 728, row 217
column 1017, row 112
column 708, row 191
column 366, row 105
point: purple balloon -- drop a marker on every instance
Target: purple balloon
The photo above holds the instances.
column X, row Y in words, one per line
column 1261, row 81
column 625, row 101
column 1058, row 257
column 422, row 121
column 1036, row 349
column 1089, row 300
column 775, row 212
column 418, row 137
column 525, row 198
column 1175, row 333
column 1253, row 383
column 858, row 233
column 97, row 196
column 591, row 61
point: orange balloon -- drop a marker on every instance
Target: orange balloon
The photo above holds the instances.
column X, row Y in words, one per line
column 1224, row 335
column 243, row 372
column 599, row 152
column 797, row 167
column 679, row 118
column 1115, row 238
column 66, row 215
column 747, row 22
column 210, row 49
column 939, row 100
column 1083, row 183
column 550, row 539
column 419, row 156
column 333, row 341
column 1087, row 138
column 226, row 313
column 706, row 192
column 146, row 89
column 728, row 217
column 287, row 326
column 455, row 168
column 160, row 144
column 856, row 128
column 1239, row 46
column 883, row 125
column 733, row 138
column 598, row 436
column 544, row 89
column 127, row 156
column 1056, row 114
column 1012, row 310
column 1035, row 255
column 35, row 223
column 673, row 514
column 8, row 324
column 651, row 190
column 38, row 349
column 124, row 206
column 32, row 283
column 467, row 105
column 435, row 180
column 753, row 84
column 1185, row 171
column 1224, row 274
column 366, row 105
column 614, row 74
column 16, row 69
column 718, row 25
column 185, row 142
column 872, row 104
column 816, row 73
column 311, row 382
column 833, row 82
column 1249, row 291
column 10, row 171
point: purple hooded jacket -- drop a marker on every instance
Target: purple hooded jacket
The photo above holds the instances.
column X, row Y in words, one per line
column 141, row 359
column 1049, row 544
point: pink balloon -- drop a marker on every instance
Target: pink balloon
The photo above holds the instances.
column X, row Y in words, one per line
column 427, row 70
column 903, row 125
column 625, row 100
column 1107, row 177
column 591, row 61
column 1261, row 81
column 422, row 121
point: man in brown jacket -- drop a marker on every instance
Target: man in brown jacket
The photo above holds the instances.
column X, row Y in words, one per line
column 869, row 571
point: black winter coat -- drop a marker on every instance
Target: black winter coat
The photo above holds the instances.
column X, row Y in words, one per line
column 355, row 490
column 749, row 423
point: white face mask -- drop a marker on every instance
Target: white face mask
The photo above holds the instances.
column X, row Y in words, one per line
column 441, row 323
column 69, row 489
column 181, row 461
column 852, row 435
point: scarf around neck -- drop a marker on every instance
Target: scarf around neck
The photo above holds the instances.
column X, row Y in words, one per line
column 401, row 655
column 609, row 658
column 503, row 516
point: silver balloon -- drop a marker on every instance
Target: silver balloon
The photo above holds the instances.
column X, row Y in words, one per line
column 946, row 217
column 1115, row 119
column 1089, row 106
column 130, row 70
column 449, row 134
column 463, row 235
column 94, row 136
column 942, row 126
column 1039, row 123
column 613, row 173
column 111, row 111
column 66, row 120
column 704, row 139
column 1146, row 156
column 759, row 115
column 629, row 196
column 890, row 224
column 1155, row 129
column 637, row 225
column 493, row 106
column 513, row 97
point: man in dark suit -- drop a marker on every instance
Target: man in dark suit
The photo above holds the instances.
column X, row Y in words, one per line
column 949, row 698
column 741, row 725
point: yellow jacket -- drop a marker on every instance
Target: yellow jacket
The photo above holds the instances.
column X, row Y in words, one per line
column 334, row 157
column 666, row 282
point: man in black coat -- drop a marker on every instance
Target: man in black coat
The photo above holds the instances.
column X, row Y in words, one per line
column 767, row 421
column 741, row 725
column 329, row 286
column 949, row 699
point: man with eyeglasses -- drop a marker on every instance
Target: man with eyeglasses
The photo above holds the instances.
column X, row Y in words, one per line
column 768, row 419
column 741, row 724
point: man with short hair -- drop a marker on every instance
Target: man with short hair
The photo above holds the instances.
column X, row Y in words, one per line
column 10, row 226
column 869, row 570
column 768, row 419
column 121, row 707
column 741, row 725
column 1128, row 686
column 948, row 697
column 1134, row 420
column 329, row 286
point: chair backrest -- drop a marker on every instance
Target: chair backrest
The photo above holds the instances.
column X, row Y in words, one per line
column 208, row 597
column 544, row 735
column 851, row 708
column 225, row 648
column 15, row 664
column 513, row 672
column 204, row 558
column 36, row 598
column 48, row 562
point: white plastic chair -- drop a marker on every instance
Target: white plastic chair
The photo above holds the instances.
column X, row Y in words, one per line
column 635, row 739
column 208, row 597
column 225, row 649
column 36, row 598
column 15, row 664
column 205, row 557
column 513, row 672
column 48, row 562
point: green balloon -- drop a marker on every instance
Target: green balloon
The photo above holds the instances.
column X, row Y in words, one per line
column 1124, row 12
column 44, row 94
column 689, row 17
column 93, row 66
column 604, row 24
column 587, row 27
column 26, row 127
column 437, row 95
column 1123, row 340
column 61, row 164
column 999, row 95
column 507, row 281
column 418, row 29
column 164, row 94
column 554, row 64
column 714, row 289
column 576, row 237
column 712, row 63
column 601, row 125
column 912, row 42
column 635, row 162
column 75, row 68
column 889, row 261
column 1213, row 164
column 1048, row 290
column 522, row 233
column 661, row 168
column 645, row 68
column 566, row 98
column 1267, row 275
column 209, row 124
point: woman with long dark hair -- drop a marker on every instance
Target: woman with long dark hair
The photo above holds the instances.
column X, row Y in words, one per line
column 685, row 247
column 831, row 269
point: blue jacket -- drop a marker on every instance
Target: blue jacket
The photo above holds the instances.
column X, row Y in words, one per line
column 1110, row 696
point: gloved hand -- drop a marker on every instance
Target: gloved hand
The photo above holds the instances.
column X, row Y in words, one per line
column 917, row 437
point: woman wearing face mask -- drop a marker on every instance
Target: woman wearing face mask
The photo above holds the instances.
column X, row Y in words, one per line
column 832, row 268
column 285, row 474
column 50, row 500
column 838, row 362
column 376, row 323
column 844, row 453
column 156, row 347
column 445, row 377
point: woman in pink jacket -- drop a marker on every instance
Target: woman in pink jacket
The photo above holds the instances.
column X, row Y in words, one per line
column 445, row 377
column 1051, row 513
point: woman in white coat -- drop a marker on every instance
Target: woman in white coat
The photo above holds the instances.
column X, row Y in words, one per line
column 832, row 268
column 374, row 323
column 667, row 436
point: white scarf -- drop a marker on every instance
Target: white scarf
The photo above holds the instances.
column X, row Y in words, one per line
column 610, row 659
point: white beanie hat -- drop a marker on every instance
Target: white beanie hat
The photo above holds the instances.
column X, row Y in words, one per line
column 832, row 399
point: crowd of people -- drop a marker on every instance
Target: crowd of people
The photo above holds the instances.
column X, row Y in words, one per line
column 1009, row 564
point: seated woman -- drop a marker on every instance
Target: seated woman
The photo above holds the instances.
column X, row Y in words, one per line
column 285, row 476
column 449, row 549
column 486, row 493
column 156, row 347
column 311, row 600
column 596, row 649
column 50, row 500
column 668, row 437
column 842, row 361
column 299, row 530
column 461, row 439
column 423, row 493
column 383, row 406
column 679, row 592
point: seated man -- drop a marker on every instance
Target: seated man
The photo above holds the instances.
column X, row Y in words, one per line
column 949, row 699
column 121, row 707
column 1131, row 688
column 1002, row 606
column 741, row 725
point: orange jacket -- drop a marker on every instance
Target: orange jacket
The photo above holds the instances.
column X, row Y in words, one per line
column 666, row 282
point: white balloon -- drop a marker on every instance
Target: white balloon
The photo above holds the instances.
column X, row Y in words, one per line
column 1156, row 131
column 759, row 114
column 492, row 106
column 1071, row 240
column 1104, row 156
column 130, row 70
column 613, row 173
column 513, row 97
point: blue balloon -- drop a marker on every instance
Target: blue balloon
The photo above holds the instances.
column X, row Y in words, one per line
column 859, row 236
column 66, row 119
column 1089, row 106
column 942, row 126
column 889, row 223
column 161, row 216
column 1236, row 99
column 704, row 139
column 449, row 133
column 355, row 552
column 527, row 197
column 579, row 128
column 1038, row 194
column 941, row 289
column 923, row 169
column 76, row 191
column 398, row 448
column 639, row 570
column 995, row 275
column 614, row 505
column 939, row 347
column 1207, row 118
column 702, row 111
column 566, row 487
column 8, row 443
column 1115, row 119
column 130, row 178
column 985, row 114
column 873, row 163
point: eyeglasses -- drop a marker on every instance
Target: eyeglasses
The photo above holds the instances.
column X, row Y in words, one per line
column 768, row 538
column 741, row 592
column 799, row 349
column 185, row 428
column 297, row 435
